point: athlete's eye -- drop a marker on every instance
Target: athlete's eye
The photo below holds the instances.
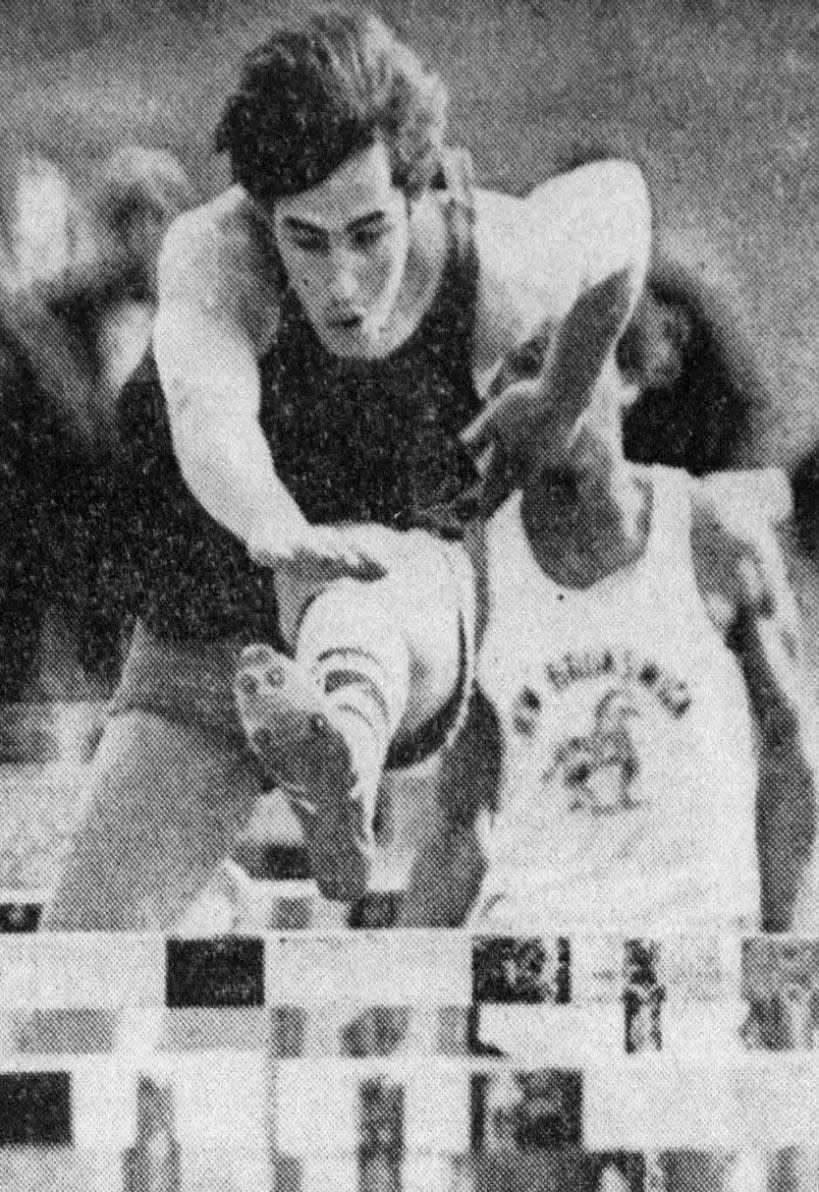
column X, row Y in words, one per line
column 311, row 242
column 527, row 361
column 370, row 236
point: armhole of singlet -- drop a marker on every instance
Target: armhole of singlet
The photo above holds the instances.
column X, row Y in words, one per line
column 671, row 523
column 489, row 562
column 481, row 552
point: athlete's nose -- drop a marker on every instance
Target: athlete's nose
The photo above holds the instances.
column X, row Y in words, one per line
column 343, row 285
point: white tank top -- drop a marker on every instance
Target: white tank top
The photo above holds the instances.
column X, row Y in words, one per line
column 629, row 779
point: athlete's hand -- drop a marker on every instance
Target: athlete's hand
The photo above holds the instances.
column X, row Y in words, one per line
column 313, row 553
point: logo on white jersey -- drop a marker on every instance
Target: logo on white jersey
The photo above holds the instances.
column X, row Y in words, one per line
column 598, row 769
column 597, row 766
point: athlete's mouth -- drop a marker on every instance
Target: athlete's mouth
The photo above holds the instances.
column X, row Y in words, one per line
column 349, row 322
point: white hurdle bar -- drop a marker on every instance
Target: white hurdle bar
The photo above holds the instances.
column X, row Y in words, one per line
column 353, row 992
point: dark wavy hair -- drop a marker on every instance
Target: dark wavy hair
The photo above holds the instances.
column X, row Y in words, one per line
column 309, row 98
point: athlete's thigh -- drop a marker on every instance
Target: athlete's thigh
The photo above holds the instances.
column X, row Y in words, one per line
column 295, row 591
column 427, row 592
column 165, row 800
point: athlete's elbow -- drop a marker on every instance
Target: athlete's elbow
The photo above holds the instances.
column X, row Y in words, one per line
column 626, row 185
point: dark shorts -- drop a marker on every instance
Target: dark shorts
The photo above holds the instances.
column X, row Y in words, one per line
column 189, row 682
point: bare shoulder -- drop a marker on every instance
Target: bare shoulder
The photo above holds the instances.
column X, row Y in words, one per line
column 217, row 257
column 743, row 506
column 737, row 518
column 538, row 252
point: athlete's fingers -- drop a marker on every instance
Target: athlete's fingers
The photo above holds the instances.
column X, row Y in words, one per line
column 341, row 551
column 309, row 565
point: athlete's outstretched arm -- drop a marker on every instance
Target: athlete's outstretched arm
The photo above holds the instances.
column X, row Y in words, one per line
column 746, row 563
column 447, row 874
column 210, row 379
column 207, row 361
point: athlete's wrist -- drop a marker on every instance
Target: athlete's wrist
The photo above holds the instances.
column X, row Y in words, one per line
column 280, row 533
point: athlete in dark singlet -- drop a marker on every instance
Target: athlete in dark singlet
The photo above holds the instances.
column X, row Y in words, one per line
column 352, row 441
column 323, row 329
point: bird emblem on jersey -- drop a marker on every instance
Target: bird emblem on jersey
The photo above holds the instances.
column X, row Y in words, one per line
column 599, row 769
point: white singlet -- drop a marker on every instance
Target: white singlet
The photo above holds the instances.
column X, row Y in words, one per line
column 629, row 780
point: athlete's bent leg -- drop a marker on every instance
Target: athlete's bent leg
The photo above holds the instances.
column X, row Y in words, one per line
column 413, row 625
column 375, row 662
column 165, row 804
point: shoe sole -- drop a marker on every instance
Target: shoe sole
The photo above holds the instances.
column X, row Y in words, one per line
column 283, row 714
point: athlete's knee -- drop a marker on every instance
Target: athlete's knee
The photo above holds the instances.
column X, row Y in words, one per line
column 419, row 604
column 416, row 623
column 350, row 614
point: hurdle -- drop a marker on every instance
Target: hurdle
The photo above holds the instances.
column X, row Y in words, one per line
column 174, row 1120
column 347, row 993
column 226, row 1120
column 347, row 1061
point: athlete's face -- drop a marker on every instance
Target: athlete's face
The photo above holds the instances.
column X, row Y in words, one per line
column 344, row 246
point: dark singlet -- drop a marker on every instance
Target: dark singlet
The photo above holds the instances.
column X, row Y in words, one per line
column 352, row 440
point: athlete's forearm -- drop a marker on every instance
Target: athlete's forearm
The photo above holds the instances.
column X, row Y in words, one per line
column 786, row 830
column 586, row 340
column 787, row 786
column 584, row 226
column 230, row 472
column 210, row 381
